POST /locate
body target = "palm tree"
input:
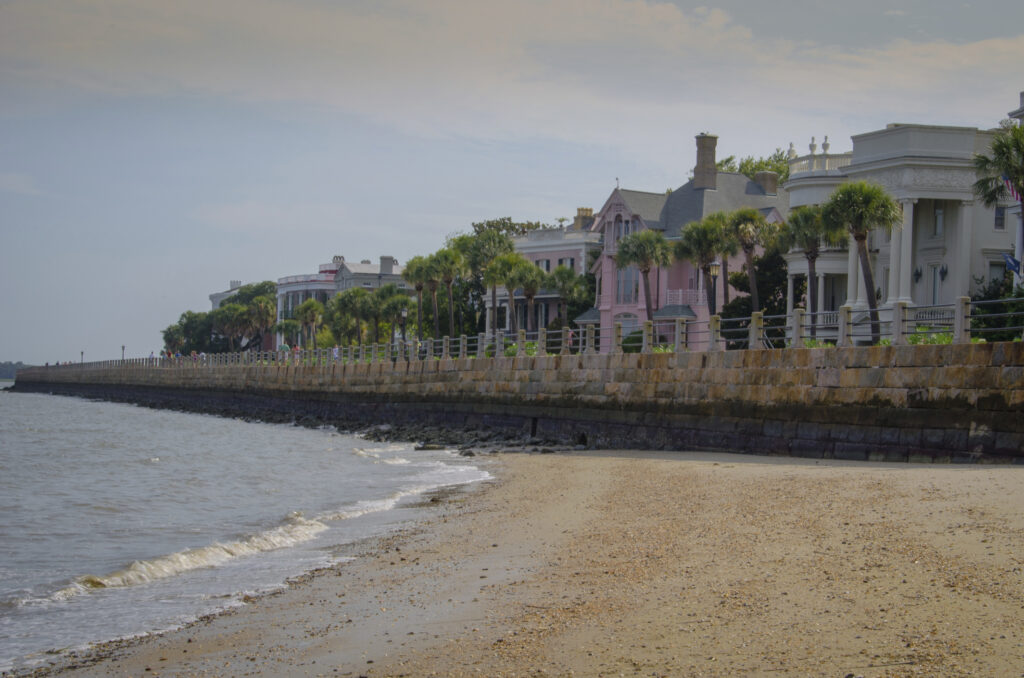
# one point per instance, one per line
(288, 328)
(501, 271)
(310, 314)
(701, 243)
(433, 281)
(807, 230)
(728, 246)
(415, 273)
(262, 312)
(382, 307)
(450, 266)
(645, 250)
(530, 278)
(748, 226)
(1006, 164)
(858, 207)
(569, 286)
(352, 303)
(486, 247)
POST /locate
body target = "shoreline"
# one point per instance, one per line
(644, 563)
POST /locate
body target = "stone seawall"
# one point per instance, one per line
(897, 403)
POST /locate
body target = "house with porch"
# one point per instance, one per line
(948, 243)
(677, 290)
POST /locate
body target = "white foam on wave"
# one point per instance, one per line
(294, 530)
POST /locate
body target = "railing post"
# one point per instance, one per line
(462, 346)
(648, 341)
(387, 352)
(962, 321)
(755, 330)
(542, 341)
(565, 341)
(715, 333)
(844, 326)
(446, 347)
(362, 353)
(521, 342)
(796, 324)
(590, 339)
(899, 323)
(617, 338)
(680, 334)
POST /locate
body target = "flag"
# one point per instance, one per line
(1011, 188)
(1012, 264)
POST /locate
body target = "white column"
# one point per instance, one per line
(963, 257)
(895, 241)
(852, 272)
(907, 252)
(821, 293)
(789, 295)
(862, 289)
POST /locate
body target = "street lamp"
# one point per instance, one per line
(714, 268)
(405, 314)
(122, 352)
(83, 357)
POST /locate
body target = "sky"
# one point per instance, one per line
(152, 151)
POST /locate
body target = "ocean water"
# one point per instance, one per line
(117, 520)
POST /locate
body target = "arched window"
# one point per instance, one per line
(629, 322)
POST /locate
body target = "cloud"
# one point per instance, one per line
(23, 184)
(625, 72)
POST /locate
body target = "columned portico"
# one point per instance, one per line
(906, 250)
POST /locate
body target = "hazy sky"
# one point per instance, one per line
(152, 151)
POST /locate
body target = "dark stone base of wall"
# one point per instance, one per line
(849, 433)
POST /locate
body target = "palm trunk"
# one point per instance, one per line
(725, 279)
(530, 324)
(709, 292)
(514, 319)
(812, 293)
(419, 313)
(437, 321)
(647, 294)
(755, 304)
(494, 309)
(451, 311)
(869, 283)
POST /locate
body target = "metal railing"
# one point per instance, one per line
(962, 322)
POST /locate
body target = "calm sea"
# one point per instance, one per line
(119, 520)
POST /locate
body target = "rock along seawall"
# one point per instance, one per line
(956, 403)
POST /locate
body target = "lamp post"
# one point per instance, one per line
(122, 352)
(714, 268)
(83, 357)
(405, 314)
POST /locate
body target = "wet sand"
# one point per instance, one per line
(651, 564)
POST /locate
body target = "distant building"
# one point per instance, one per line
(332, 278)
(570, 246)
(677, 291)
(948, 241)
(217, 298)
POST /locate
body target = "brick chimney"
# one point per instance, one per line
(705, 174)
(387, 265)
(584, 218)
(769, 181)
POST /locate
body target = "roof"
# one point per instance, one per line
(674, 311)
(589, 317)
(733, 191)
(648, 206)
(368, 269)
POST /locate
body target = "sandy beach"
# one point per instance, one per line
(652, 564)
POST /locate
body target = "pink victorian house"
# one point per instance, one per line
(677, 291)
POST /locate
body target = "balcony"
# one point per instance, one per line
(819, 163)
(686, 298)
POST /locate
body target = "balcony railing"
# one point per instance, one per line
(819, 163)
(686, 298)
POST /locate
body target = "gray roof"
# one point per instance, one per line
(590, 316)
(674, 311)
(686, 203)
(648, 206)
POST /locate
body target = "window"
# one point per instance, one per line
(939, 225)
(627, 288)
(544, 265)
(1000, 219)
(996, 270)
(568, 262)
(936, 283)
